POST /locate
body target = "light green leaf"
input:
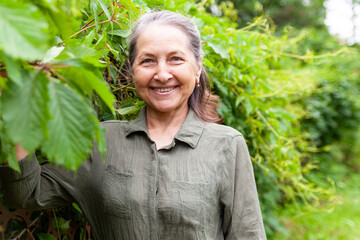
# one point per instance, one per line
(121, 33)
(133, 10)
(104, 8)
(52, 53)
(101, 142)
(25, 111)
(76, 49)
(249, 108)
(219, 47)
(3, 82)
(77, 207)
(208, 63)
(72, 128)
(13, 68)
(23, 31)
(127, 110)
(239, 99)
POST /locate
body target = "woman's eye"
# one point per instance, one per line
(176, 59)
(146, 61)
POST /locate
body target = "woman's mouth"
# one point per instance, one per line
(163, 90)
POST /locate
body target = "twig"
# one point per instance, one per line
(119, 5)
(27, 229)
(82, 30)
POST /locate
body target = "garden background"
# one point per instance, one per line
(289, 86)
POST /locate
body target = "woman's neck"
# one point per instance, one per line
(163, 127)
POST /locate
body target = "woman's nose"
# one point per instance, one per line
(163, 72)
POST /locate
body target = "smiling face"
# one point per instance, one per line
(164, 68)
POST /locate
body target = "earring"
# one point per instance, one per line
(197, 82)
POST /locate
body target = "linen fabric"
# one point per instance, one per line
(201, 186)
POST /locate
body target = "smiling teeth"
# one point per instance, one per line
(164, 89)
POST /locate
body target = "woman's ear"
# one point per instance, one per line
(199, 67)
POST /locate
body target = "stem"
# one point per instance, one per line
(113, 20)
(58, 75)
(30, 225)
(56, 222)
(82, 30)
(119, 5)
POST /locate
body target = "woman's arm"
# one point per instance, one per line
(242, 214)
(41, 186)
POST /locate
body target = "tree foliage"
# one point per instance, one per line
(67, 70)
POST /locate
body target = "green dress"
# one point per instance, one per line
(201, 186)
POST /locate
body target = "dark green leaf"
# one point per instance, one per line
(45, 236)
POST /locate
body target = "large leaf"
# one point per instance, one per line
(25, 111)
(23, 31)
(7, 151)
(72, 129)
(89, 80)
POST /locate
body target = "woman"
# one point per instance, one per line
(172, 173)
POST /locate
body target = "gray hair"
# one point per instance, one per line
(202, 101)
(166, 18)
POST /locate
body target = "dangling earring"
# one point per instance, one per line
(197, 82)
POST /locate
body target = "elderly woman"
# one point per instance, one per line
(173, 173)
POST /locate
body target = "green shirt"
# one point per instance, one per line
(201, 186)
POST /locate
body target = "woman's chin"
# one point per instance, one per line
(167, 108)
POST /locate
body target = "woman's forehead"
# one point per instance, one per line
(160, 35)
(161, 30)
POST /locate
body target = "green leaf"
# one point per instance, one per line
(52, 53)
(121, 33)
(104, 8)
(25, 111)
(239, 99)
(208, 63)
(7, 151)
(127, 110)
(101, 142)
(249, 108)
(13, 68)
(72, 129)
(2, 82)
(90, 80)
(24, 31)
(219, 47)
(60, 223)
(76, 49)
(133, 10)
(76, 207)
(45, 236)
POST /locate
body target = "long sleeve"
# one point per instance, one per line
(40, 186)
(242, 214)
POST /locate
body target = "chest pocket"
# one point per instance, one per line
(116, 192)
(189, 205)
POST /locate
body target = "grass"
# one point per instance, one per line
(341, 222)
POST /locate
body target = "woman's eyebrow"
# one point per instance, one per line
(146, 54)
(176, 52)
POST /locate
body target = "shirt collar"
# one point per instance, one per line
(189, 133)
